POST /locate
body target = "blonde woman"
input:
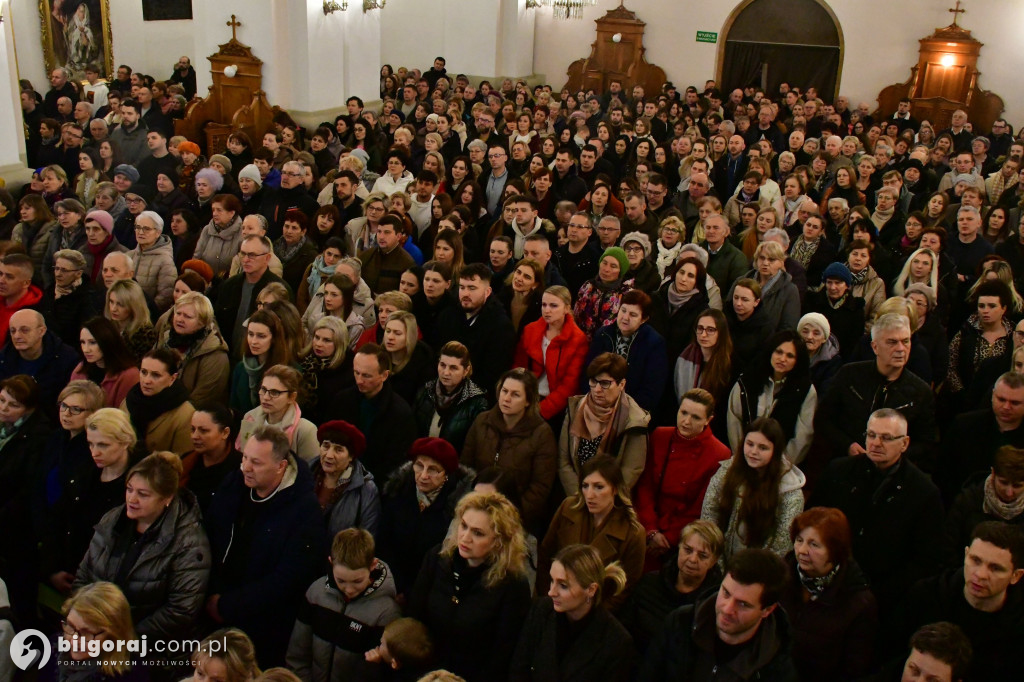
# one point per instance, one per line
(126, 308)
(226, 655)
(412, 360)
(205, 366)
(326, 367)
(98, 613)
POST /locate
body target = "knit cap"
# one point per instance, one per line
(188, 146)
(618, 254)
(252, 173)
(105, 220)
(222, 160)
(838, 271)
(128, 171)
(816, 320)
(639, 238)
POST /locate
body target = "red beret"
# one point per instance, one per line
(436, 449)
(346, 435)
(200, 267)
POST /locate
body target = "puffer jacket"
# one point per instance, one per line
(527, 451)
(216, 247)
(166, 586)
(332, 633)
(155, 271)
(78, 243)
(37, 245)
(460, 417)
(357, 506)
(205, 368)
(872, 290)
(630, 448)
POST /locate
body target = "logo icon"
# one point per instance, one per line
(25, 655)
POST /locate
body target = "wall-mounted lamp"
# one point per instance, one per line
(331, 6)
(946, 60)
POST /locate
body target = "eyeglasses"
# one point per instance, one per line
(634, 249)
(605, 384)
(886, 438)
(134, 200)
(144, 228)
(272, 392)
(71, 631)
(701, 329)
(580, 226)
(70, 409)
(609, 229)
(292, 175)
(249, 255)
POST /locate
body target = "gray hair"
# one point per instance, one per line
(72, 256)
(889, 322)
(611, 219)
(968, 209)
(121, 254)
(841, 201)
(279, 442)
(301, 166)
(99, 120)
(477, 144)
(781, 234)
(889, 413)
(354, 263)
(158, 222)
(261, 219)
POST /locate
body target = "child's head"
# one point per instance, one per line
(406, 644)
(352, 561)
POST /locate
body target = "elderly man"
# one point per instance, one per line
(958, 131)
(237, 298)
(291, 195)
(98, 132)
(16, 289)
(38, 352)
(60, 87)
(726, 263)
(117, 266)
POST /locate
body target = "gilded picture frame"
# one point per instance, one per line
(76, 33)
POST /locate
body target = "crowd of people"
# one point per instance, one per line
(516, 384)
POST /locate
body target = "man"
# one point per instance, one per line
(981, 598)
(738, 634)
(65, 110)
(859, 388)
(495, 177)
(591, 165)
(291, 195)
(267, 543)
(422, 199)
(958, 131)
(967, 248)
(123, 81)
(94, 90)
(98, 132)
(657, 198)
(82, 115)
(963, 169)
(567, 186)
(159, 160)
(71, 138)
(609, 230)
(130, 136)
(16, 289)
(730, 170)
(382, 415)
(38, 352)
(903, 117)
(60, 87)
(409, 101)
(349, 205)
(726, 263)
(435, 72)
(578, 259)
(184, 75)
(501, 262)
(537, 247)
(939, 652)
(483, 130)
(384, 263)
(686, 202)
(152, 115)
(894, 510)
(1000, 138)
(237, 298)
(480, 323)
(32, 116)
(766, 130)
(637, 217)
(527, 222)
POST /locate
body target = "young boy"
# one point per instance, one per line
(405, 648)
(264, 160)
(344, 613)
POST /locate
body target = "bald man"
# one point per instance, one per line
(38, 352)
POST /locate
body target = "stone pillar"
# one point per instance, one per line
(12, 128)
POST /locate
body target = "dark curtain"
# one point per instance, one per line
(796, 64)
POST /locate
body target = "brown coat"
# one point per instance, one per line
(528, 452)
(630, 450)
(171, 431)
(205, 371)
(621, 539)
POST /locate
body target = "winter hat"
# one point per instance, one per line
(188, 146)
(433, 118)
(640, 238)
(105, 220)
(342, 433)
(438, 450)
(816, 320)
(963, 177)
(200, 267)
(618, 254)
(914, 163)
(222, 160)
(924, 290)
(399, 114)
(143, 191)
(171, 174)
(362, 155)
(838, 271)
(701, 253)
(128, 171)
(154, 216)
(215, 179)
(252, 173)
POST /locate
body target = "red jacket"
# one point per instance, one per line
(566, 354)
(670, 492)
(29, 300)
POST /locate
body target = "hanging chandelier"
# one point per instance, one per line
(568, 9)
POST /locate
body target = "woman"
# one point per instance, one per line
(126, 308)
(935, 209)
(327, 225)
(553, 349)
(111, 440)
(995, 227)
(294, 249)
(266, 345)
(326, 367)
(158, 406)
(205, 365)
(185, 229)
(929, 332)
(755, 496)
(670, 241)
(55, 185)
(155, 549)
(35, 230)
(461, 170)
(512, 436)
(101, 242)
(335, 298)
(987, 333)
(922, 268)
(448, 249)
(279, 407)
(319, 271)
(220, 239)
(707, 361)
(678, 304)
(778, 386)
(71, 235)
(412, 360)
(601, 515)
(569, 634)
(779, 299)
(434, 297)
(598, 300)
(226, 655)
(208, 185)
(867, 285)
(418, 504)
(106, 360)
(522, 299)
(212, 456)
(541, 181)
(89, 162)
(812, 250)
(845, 187)
(168, 197)
(473, 594)
(447, 406)
(822, 346)
(98, 613)
(67, 300)
(346, 491)
(605, 421)
(110, 156)
(153, 258)
(793, 195)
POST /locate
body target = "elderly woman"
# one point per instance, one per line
(326, 367)
(137, 199)
(822, 349)
(220, 238)
(153, 258)
(294, 248)
(412, 361)
(828, 600)
(126, 308)
(158, 406)
(99, 226)
(473, 594)
(71, 235)
(154, 548)
(205, 366)
(106, 360)
(361, 233)
(278, 407)
(605, 421)
(208, 183)
(67, 301)
(598, 301)
(779, 299)
(346, 491)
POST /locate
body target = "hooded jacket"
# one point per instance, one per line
(155, 270)
(29, 300)
(824, 365)
(629, 449)
(38, 246)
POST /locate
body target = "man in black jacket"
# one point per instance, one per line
(567, 186)
(739, 634)
(292, 194)
(236, 298)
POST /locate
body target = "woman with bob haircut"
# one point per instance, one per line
(755, 495)
(601, 648)
(326, 367)
(126, 307)
(604, 421)
(473, 593)
(600, 514)
(154, 548)
(233, 659)
(220, 239)
(205, 365)
(279, 407)
(412, 360)
(106, 360)
(831, 609)
(99, 612)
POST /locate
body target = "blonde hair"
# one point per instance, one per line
(276, 289)
(234, 649)
(114, 424)
(508, 556)
(129, 294)
(104, 607)
(91, 393)
(341, 340)
(901, 307)
(770, 249)
(408, 320)
(903, 279)
(394, 298)
(583, 563)
(562, 294)
(707, 531)
(202, 305)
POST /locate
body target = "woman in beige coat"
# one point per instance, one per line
(192, 331)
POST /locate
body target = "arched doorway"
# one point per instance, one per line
(768, 42)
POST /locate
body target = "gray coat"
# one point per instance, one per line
(358, 506)
(40, 244)
(780, 302)
(155, 271)
(217, 247)
(166, 586)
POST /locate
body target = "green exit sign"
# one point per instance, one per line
(707, 37)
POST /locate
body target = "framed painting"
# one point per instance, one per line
(163, 10)
(76, 33)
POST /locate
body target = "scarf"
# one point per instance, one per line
(803, 250)
(426, 499)
(97, 257)
(592, 421)
(622, 343)
(999, 184)
(254, 369)
(880, 217)
(285, 251)
(860, 277)
(677, 300)
(791, 206)
(817, 586)
(29, 232)
(311, 367)
(318, 272)
(59, 290)
(666, 257)
(143, 409)
(186, 344)
(836, 305)
(1007, 511)
(69, 237)
(444, 401)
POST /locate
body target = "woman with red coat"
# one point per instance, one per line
(553, 348)
(680, 464)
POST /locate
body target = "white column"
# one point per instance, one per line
(12, 130)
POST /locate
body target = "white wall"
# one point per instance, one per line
(880, 38)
